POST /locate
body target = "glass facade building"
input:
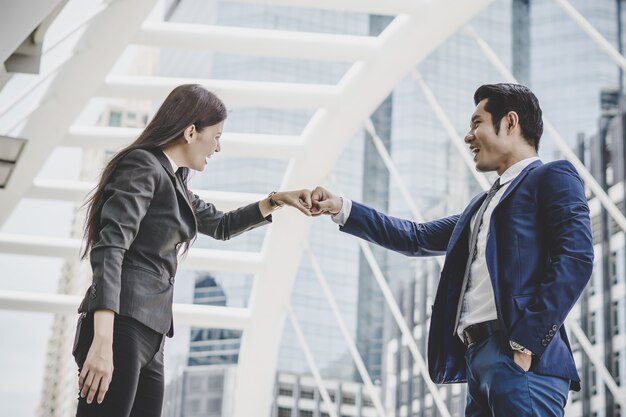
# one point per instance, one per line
(212, 346)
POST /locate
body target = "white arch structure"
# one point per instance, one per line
(339, 111)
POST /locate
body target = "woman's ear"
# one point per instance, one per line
(188, 134)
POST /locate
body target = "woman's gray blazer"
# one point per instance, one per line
(147, 214)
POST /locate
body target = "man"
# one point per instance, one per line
(517, 259)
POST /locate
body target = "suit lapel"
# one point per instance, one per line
(474, 205)
(466, 217)
(178, 184)
(518, 180)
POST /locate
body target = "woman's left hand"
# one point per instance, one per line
(300, 199)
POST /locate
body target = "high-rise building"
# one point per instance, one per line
(205, 387)
(581, 94)
(212, 346)
(602, 307)
(201, 391)
(299, 396)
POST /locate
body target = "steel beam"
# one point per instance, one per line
(210, 260)
(241, 145)
(362, 89)
(386, 7)
(76, 191)
(67, 94)
(233, 92)
(258, 42)
(191, 314)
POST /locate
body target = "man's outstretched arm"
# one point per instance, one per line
(400, 235)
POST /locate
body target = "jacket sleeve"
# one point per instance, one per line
(564, 214)
(126, 200)
(403, 236)
(223, 226)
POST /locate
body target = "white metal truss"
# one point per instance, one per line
(407, 334)
(362, 89)
(455, 138)
(200, 259)
(310, 360)
(596, 36)
(191, 314)
(343, 328)
(75, 83)
(387, 7)
(274, 43)
(65, 190)
(244, 145)
(236, 93)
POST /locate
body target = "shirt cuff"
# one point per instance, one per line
(342, 217)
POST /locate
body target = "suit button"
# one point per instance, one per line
(554, 327)
(551, 333)
(171, 280)
(544, 343)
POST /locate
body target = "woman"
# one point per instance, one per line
(140, 217)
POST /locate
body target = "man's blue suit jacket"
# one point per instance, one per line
(539, 256)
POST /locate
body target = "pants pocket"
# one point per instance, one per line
(509, 357)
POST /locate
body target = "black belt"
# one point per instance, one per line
(478, 332)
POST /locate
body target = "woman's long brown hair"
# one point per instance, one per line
(186, 105)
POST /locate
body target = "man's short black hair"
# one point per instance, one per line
(506, 97)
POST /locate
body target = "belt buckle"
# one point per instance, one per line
(466, 340)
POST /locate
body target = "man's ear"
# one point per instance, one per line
(188, 133)
(512, 121)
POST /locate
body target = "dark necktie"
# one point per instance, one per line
(478, 221)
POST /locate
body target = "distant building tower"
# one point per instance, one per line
(601, 309)
(212, 346)
(298, 396)
(206, 387)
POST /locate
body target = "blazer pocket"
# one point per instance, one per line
(141, 289)
(142, 269)
(523, 301)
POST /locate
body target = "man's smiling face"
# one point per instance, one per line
(491, 150)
